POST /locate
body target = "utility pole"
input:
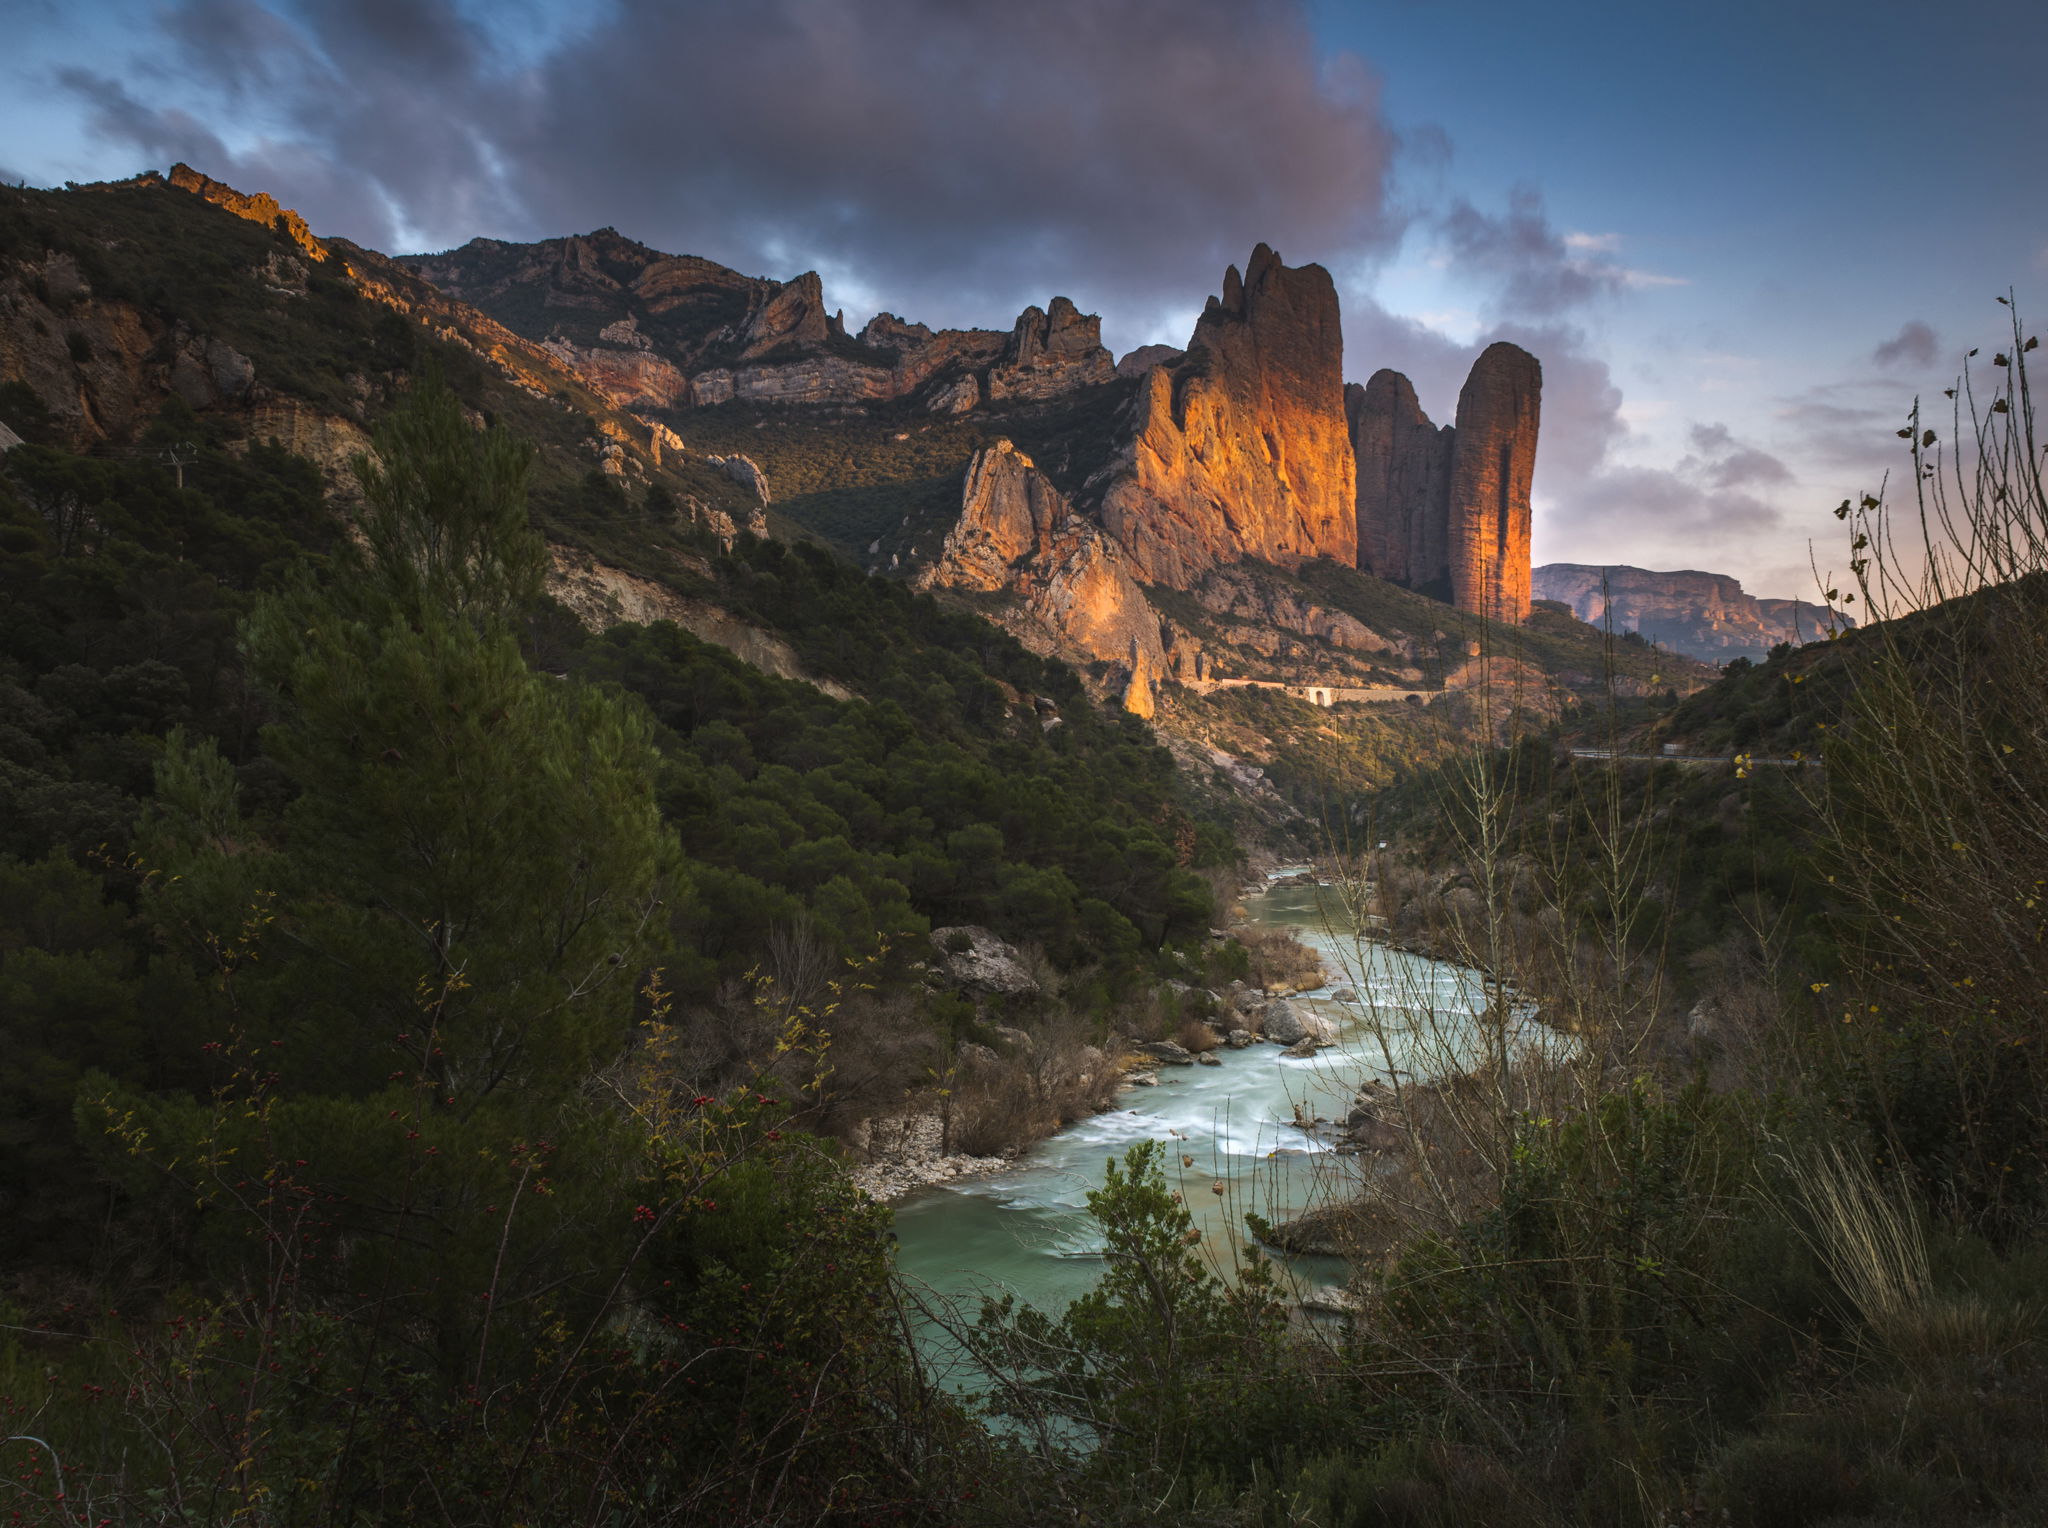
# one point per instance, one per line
(178, 457)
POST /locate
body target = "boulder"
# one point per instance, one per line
(1288, 1023)
(982, 963)
(1331, 1231)
(1164, 1050)
(1238, 1039)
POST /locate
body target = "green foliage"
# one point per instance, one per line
(878, 826)
(1162, 1365)
(444, 514)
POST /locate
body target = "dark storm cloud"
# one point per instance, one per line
(954, 157)
(1914, 345)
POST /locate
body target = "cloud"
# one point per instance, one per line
(962, 156)
(1536, 272)
(1914, 345)
(1725, 462)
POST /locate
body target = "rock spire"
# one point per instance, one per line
(1446, 511)
(1240, 449)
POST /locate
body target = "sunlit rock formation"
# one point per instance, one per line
(259, 208)
(1240, 449)
(1446, 511)
(1017, 533)
(1493, 460)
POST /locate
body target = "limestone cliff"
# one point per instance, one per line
(1446, 511)
(1404, 482)
(656, 331)
(1241, 449)
(1703, 615)
(1018, 534)
(1051, 351)
(1493, 460)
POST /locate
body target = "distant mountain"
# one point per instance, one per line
(655, 331)
(1703, 615)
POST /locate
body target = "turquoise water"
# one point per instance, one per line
(1234, 1133)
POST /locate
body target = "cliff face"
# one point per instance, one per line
(1241, 449)
(657, 331)
(1017, 533)
(1704, 615)
(1447, 510)
(1051, 352)
(1492, 462)
(1404, 482)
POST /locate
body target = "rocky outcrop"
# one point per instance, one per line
(1446, 511)
(329, 441)
(793, 318)
(1493, 461)
(1241, 450)
(972, 957)
(1018, 533)
(259, 208)
(744, 471)
(1703, 615)
(207, 371)
(1051, 352)
(1139, 691)
(652, 330)
(628, 377)
(1404, 482)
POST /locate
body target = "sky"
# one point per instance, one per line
(1742, 239)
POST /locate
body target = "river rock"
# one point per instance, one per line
(1164, 1050)
(1329, 1300)
(1306, 1046)
(1238, 1039)
(1287, 1023)
(985, 964)
(1331, 1231)
(1208, 1058)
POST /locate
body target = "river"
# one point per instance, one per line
(1231, 1132)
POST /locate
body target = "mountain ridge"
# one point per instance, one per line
(1688, 610)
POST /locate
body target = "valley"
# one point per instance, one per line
(624, 901)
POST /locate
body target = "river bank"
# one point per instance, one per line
(1253, 1127)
